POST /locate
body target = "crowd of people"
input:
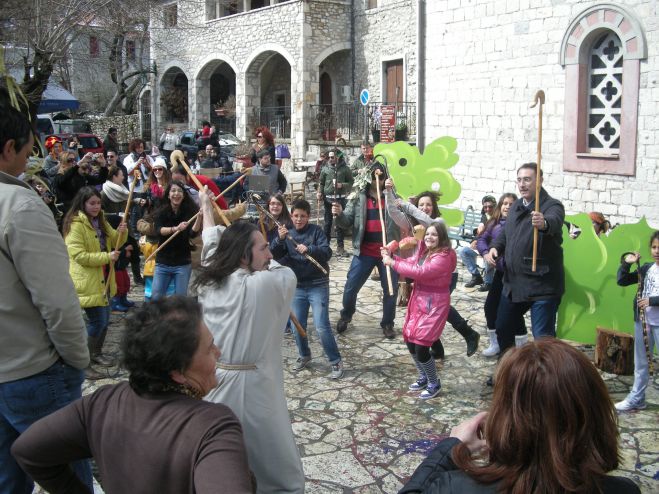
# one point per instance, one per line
(204, 409)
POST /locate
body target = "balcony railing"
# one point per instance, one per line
(346, 120)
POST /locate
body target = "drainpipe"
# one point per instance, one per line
(420, 74)
(353, 57)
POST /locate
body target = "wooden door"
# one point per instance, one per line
(325, 89)
(394, 82)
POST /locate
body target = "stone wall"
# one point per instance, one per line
(127, 127)
(383, 34)
(485, 61)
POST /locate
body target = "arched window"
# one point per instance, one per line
(601, 52)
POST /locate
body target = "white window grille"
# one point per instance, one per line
(605, 95)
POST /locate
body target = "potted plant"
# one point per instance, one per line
(401, 131)
(226, 108)
(242, 153)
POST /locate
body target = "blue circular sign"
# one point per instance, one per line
(364, 97)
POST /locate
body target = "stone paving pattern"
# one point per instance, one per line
(365, 433)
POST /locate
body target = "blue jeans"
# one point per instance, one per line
(23, 402)
(510, 317)
(163, 276)
(318, 298)
(468, 257)
(98, 319)
(641, 374)
(360, 269)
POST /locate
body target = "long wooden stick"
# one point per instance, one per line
(309, 258)
(171, 237)
(236, 182)
(181, 161)
(539, 98)
(136, 178)
(641, 318)
(384, 230)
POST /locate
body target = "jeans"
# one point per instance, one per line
(165, 274)
(329, 218)
(318, 298)
(641, 374)
(23, 402)
(360, 269)
(468, 257)
(98, 319)
(511, 317)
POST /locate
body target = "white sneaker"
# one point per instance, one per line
(493, 350)
(337, 371)
(626, 406)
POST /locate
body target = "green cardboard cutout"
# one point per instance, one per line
(414, 172)
(592, 297)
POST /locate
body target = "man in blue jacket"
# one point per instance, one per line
(524, 289)
(312, 284)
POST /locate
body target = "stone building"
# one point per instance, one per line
(465, 68)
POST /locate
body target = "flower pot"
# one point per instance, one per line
(376, 135)
(401, 135)
(220, 112)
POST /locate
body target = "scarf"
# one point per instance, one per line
(114, 192)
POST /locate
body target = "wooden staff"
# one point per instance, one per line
(171, 237)
(298, 327)
(177, 156)
(136, 177)
(641, 312)
(539, 98)
(384, 231)
(309, 258)
(248, 171)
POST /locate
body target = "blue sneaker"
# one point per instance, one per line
(420, 384)
(431, 391)
(117, 306)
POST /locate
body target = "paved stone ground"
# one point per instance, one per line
(366, 433)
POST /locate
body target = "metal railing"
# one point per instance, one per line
(276, 118)
(346, 120)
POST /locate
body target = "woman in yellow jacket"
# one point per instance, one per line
(90, 241)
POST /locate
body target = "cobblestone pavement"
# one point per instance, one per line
(365, 433)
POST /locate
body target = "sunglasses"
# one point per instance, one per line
(260, 135)
(71, 160)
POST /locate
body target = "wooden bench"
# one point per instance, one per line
(465, 232)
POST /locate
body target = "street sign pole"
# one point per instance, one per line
(364, 97)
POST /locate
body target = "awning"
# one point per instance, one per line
(56, 98)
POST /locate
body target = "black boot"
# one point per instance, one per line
(476, 279)
(95, 344)
(437, 350)
(471, 337)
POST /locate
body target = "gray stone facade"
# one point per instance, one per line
(481, 64)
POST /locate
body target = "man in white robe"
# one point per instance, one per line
(246, 299)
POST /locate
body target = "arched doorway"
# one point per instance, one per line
(174, 96)
(325, 89)
(269, 76)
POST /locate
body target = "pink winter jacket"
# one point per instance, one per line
(429, 304)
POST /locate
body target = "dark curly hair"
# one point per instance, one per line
(235, 245)
(160, 337)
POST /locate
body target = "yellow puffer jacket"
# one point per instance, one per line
(87, 260)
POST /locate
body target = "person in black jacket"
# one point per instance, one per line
(73, 176)
(646, 300)
(312, 284)
(523, 289)
(551, 429)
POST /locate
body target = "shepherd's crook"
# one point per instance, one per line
(539, 97)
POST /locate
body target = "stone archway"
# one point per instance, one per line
(216, 94)
(268, 94)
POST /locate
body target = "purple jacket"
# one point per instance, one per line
(486, 238)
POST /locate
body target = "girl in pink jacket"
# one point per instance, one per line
(430, 268)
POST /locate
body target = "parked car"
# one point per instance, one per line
(223, 142)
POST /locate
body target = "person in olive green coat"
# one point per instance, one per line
(90, 242)
(335, 183)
